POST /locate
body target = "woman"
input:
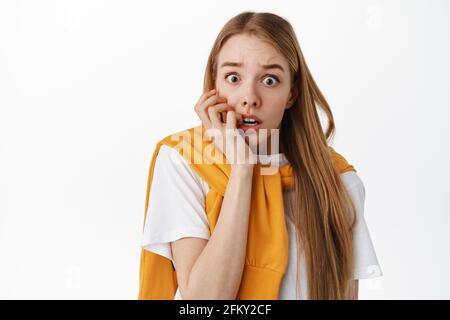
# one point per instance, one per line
(231, 232)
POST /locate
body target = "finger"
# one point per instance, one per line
(212, 100)
(202, 109)
(231, 120)
(214, 114)
(205, 119)
(214, 117)
(221, 107)
(206, 95)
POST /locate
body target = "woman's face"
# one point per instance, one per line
(260, 85)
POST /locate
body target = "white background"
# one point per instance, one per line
(88, 87)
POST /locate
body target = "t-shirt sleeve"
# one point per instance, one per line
(176, 206)
(366, 262)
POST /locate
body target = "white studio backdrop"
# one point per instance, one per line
(88, 87)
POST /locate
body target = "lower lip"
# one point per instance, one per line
(246, 128)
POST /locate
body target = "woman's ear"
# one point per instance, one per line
(293, 95)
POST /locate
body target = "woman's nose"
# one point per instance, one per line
(249, 101)
(254, 104)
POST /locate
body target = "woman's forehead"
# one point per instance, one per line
(241, 51)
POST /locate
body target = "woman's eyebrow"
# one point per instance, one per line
(239, 64)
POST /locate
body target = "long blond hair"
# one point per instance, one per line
(322, 210)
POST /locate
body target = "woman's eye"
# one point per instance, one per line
(230, 75)
(273, 79)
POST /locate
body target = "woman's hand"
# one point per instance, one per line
(211, 108)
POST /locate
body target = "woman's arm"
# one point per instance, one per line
(213, 269)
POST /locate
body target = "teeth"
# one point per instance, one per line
(249, 120)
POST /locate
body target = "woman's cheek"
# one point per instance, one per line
(221, 86)
(227, 96)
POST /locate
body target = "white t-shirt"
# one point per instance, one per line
(177, 210)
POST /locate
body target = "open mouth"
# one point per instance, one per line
(249, 122)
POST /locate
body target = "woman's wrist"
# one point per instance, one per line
(243, 169)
